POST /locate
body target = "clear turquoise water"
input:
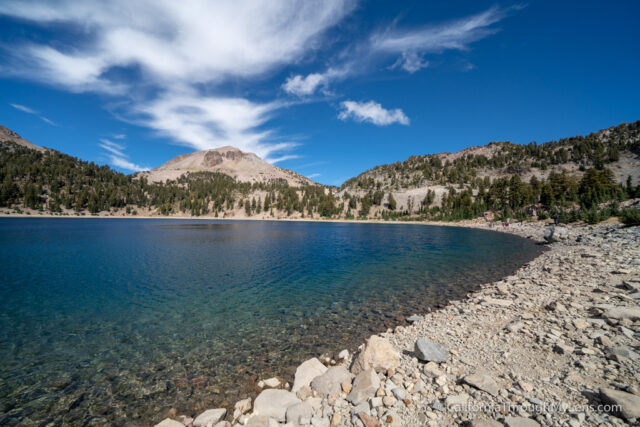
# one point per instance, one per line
(107, 321)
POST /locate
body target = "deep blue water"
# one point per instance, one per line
(109, 320)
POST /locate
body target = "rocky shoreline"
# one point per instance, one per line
(556, 343)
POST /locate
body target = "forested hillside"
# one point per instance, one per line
(571, 177)
(54, 182)
(578, 178)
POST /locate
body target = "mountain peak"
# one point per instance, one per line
(243, 166)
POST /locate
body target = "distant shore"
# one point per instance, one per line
(471, 223)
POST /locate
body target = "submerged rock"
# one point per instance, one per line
(429, 351)
(378, 354)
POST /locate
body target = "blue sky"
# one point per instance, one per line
(327, 89)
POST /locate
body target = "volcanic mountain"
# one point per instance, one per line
(245, 167)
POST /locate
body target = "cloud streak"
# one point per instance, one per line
(409, 47)
(33, 112)
(117, 157)
(372, 112)
(413, 44)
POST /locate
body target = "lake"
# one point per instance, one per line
(114, 321)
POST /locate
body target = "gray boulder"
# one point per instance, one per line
(306, 372)
(628, 404)
(297, 411)
(274, 403)
(556, 234)
(429, 351)
(365, 386)
(619, 313)
(330, 383)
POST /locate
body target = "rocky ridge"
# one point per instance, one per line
(554, 344)
(7, 134)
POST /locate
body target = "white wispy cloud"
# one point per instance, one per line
(117, 157)
(409, 46)
(126, 164)
(182, 53)
(313, 175)
(372, 112)
(31, 111)
(282, 158)
(413, 44)
(410, 62)
(307, 85)
(24, 109)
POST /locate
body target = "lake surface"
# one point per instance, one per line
(114, 321)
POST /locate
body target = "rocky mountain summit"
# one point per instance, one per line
(555, 344)
(244, 167)
(7, 134)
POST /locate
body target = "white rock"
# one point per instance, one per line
(306, 372)
(457, 401)
(210, 416)
(330, 383)
(168, 422)
(261, 421)
(632, 313)
(272, 382)
(376, 401)
(365, 386)
(299, 410)
(243, 405)
(378, 354)
(274, 403)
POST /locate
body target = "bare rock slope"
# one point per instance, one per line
(7, 134)
(245, 167)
